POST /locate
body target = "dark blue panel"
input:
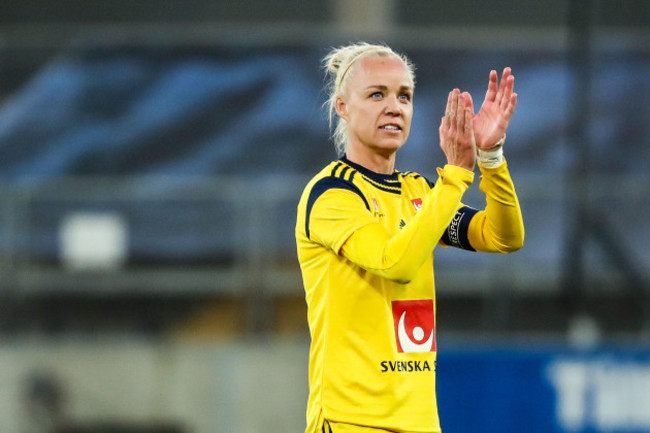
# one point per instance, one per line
(544, 390)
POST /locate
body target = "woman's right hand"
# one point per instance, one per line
(457, 131)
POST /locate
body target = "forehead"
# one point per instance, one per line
(381, 70)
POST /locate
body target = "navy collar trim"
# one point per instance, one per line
(387, 182)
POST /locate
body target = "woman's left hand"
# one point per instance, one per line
(491, 122)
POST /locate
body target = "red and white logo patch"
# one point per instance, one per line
(414, 326)
(417, 203)
(374, 202)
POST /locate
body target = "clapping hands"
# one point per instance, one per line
(462, 132)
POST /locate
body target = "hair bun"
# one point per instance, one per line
(343, 55)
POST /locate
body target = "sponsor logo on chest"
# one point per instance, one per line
(414, 326)
(414, 333)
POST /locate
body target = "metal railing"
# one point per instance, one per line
(194, 235)
(229, 234)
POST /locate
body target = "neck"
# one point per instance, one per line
(379, 163)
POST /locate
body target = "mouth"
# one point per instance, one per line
(391, 127)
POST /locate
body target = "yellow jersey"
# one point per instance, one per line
(365, 245)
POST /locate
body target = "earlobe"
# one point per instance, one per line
(341, 108)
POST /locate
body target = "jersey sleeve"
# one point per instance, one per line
(500, 227)
(335, 214)
(400, 256)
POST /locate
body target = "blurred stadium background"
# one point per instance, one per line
(151, 158)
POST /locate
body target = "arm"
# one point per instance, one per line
(399, 257)
(500, 227)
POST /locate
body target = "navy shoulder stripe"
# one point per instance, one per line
(335, 168)
(323, 185)
(343, 172)
(456, 233)
(415, 175)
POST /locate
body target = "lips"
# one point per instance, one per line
(391, 127)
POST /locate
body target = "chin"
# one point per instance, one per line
(388, 148)
(393, 144)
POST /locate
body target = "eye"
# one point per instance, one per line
(405, 97)
(376, 95)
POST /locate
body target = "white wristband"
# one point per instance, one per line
(490, 158)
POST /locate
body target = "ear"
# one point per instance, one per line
(341, 108)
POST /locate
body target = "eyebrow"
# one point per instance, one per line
(382, 87)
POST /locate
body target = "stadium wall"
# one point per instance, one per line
(185, 387)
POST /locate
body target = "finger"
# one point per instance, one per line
(454, 104)
(468, 101)
(502, 85)
(492, 87)
(504, 77)
(444, 123)
(460, 113)
(511, 106)
(507, 71)
(507, 91)
(450, 111)
(443, 132)
(468, 127)
(453, 110)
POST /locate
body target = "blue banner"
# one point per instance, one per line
(544, 390)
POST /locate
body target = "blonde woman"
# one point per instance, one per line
(366, 233)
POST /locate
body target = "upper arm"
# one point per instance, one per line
(335, 209)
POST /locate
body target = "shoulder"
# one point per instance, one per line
(335, 176)
(412, 177)
(336, 185)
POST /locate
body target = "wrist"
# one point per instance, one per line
(496, 146)
(454, 173)
(490, 158)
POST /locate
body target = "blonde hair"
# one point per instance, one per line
(338, 65)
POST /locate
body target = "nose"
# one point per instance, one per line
(393, 106)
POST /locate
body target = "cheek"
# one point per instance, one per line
(364, 127)
(408, 118)
(362, 120)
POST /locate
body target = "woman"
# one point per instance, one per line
(366, 233)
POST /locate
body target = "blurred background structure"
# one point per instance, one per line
(151, 158)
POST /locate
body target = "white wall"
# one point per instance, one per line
(205, 387)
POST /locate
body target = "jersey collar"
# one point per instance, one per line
(391, 181)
